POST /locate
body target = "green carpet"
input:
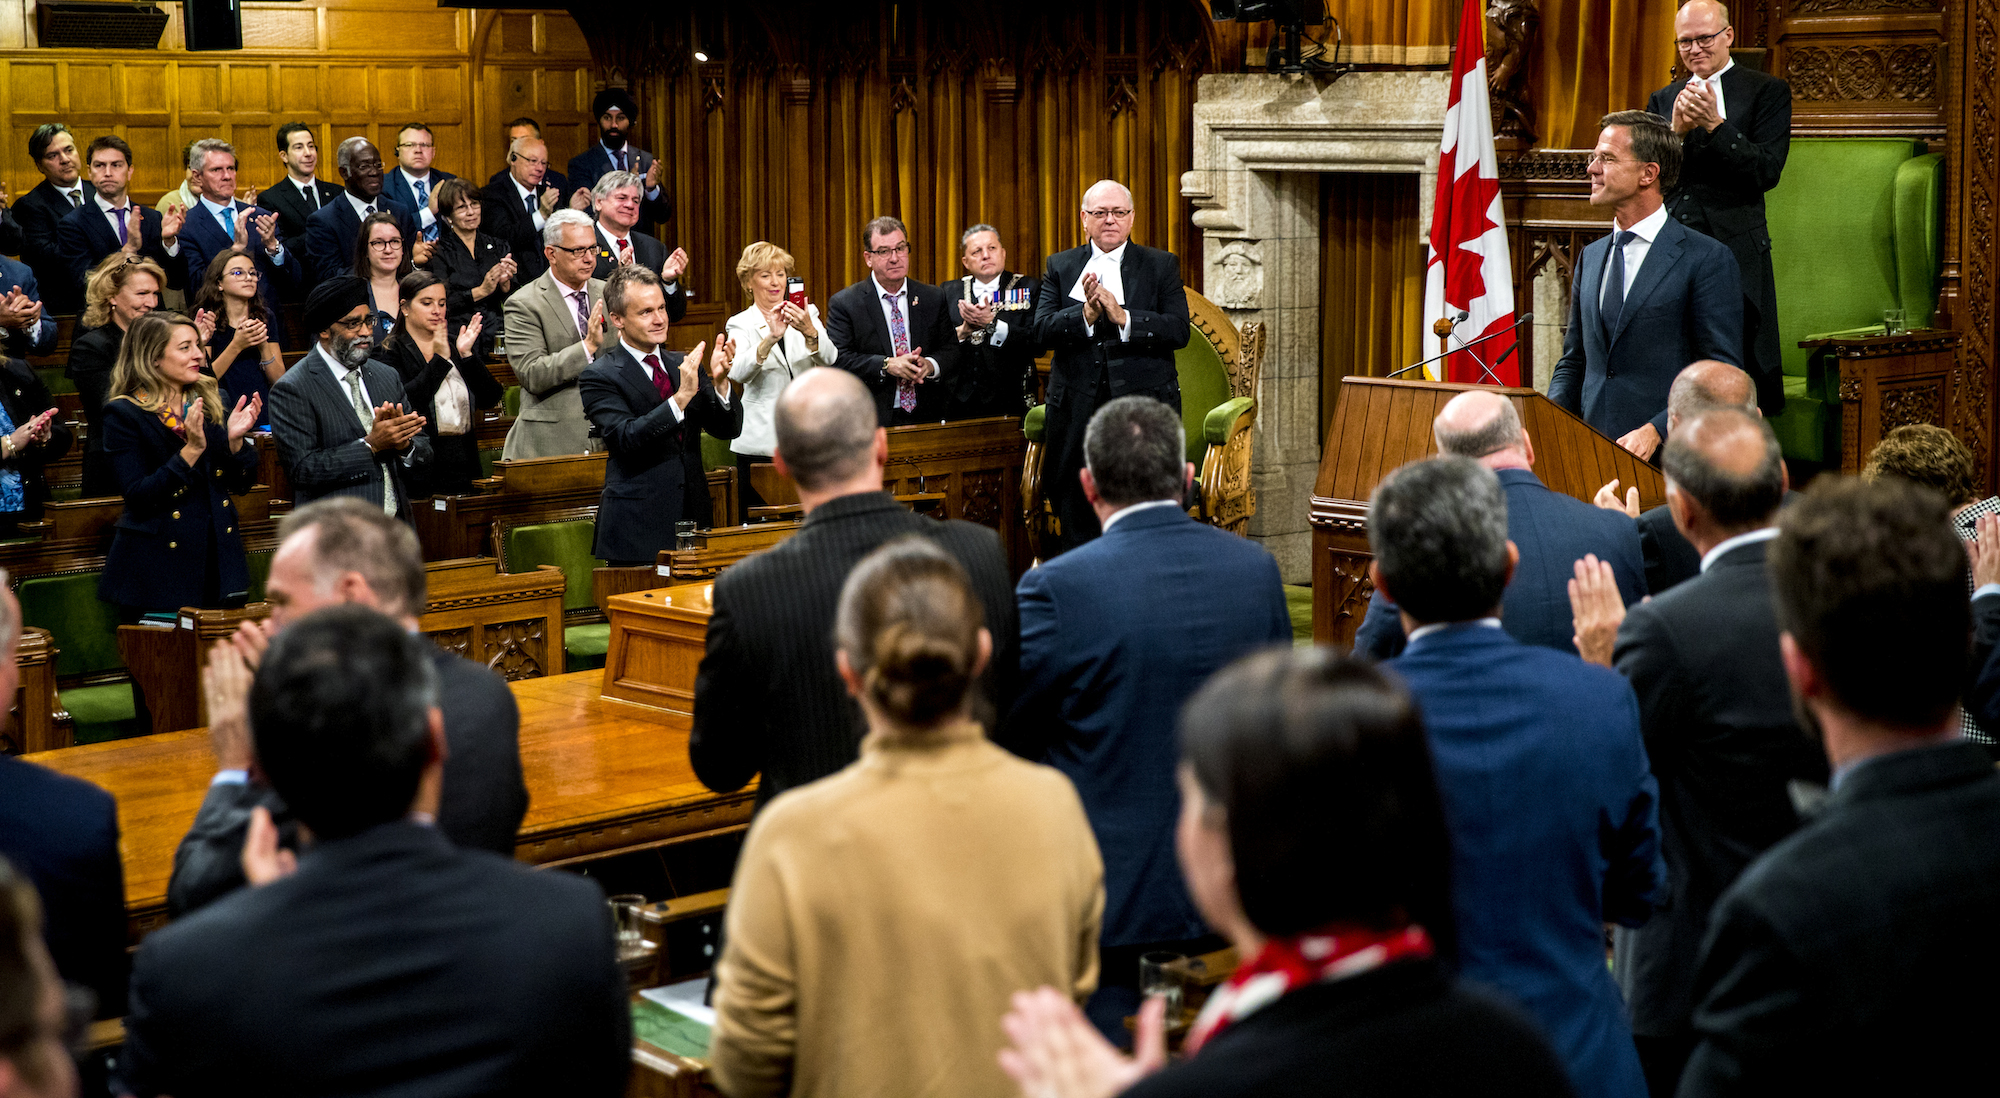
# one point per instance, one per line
(1299, 603)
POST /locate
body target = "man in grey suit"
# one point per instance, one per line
(329, 553)
(555, 325)
(338, 416)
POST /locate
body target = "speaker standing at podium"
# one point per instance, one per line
(1647, 300)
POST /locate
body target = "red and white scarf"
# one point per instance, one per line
(1286, 964)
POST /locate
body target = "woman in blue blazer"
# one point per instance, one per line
(177, 458)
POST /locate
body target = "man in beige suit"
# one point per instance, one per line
(554, 325)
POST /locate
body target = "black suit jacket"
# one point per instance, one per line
(421, 380)
(330, 237)
(25, 397)
(63, 833)
(653, 477)
(767, 698)
(320, 437)
(503, 214)
(481, 806)
(10, 232)
(647, 252)
(1670, 557)
(285, 198)
(1717, 716)
(1403, 1029)
(85, 237)
(855, 323)
(588, 166)
(1832, 965)
(550, 178)
(91, 360)
(1724, 174)
(391, 963)
(39, 212)
(989, 380)
(462, 271)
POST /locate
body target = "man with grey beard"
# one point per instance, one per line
(339, 417)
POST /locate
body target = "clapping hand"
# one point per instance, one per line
(1057, 1053)
(721, 360)
(266, 227)
(241, 240)
(247, 195)
(547, 200)
(579, 200)
(1607, 498)
(676, 264)
(593, 332)
(420, 252)
(1697, 107)
(498, 275)
(204, 323)
(652, 175)
(225, 684)
(33, 431)
(194, 432)
(1092, 308)
(243, 419)
(253, 333)
(263, 859)
(690, 382)
(171, 221)
(18, 310)
(394, 428)
(468, 336)
(1107, 303)
(1596, 608)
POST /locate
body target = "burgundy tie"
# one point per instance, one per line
(624, 250)
(661, 380)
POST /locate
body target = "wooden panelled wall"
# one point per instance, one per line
(809, 119)
(345, 67)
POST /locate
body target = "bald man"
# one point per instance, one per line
(1716, 712)
(1735, 126)
(1553, 531)
(767, 698)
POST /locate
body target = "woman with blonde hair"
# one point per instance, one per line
(913, 891)
(119, 291)
(178, 457)
(776, 341)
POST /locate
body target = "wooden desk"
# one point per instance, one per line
(603, 779)
(39, 722)
(1888, 381)
(657, 641)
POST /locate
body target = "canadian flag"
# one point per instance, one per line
(1468, 269)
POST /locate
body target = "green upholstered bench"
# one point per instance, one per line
(1855, 224)
(564, 541)
(86, 635)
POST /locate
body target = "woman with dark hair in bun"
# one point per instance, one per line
(911, 892)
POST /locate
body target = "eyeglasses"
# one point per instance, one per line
(531, 160)
(574, 253)
(1606, 159)
(1107, 215)
(900, 249)
(238, 272)
(385, 245)
(415, 145)
(357, 324)
(1701, 41)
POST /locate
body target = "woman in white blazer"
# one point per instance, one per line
(776, 341)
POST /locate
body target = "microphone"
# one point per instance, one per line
(1525, 318)
(1465, 345)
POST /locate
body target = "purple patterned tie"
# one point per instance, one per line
(906, 390)
(121, 211)
(582, 298)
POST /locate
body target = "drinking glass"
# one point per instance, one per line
(1164, 974)
(627, 914)
(1895, 322)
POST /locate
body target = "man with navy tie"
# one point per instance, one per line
(614, 152)
(414, 180)
(62, 189)
(214, 225)
(110, 221)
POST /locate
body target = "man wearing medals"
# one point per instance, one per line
(993, 310)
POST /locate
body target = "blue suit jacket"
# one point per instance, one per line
(15, 275)
(202, 239)
(1115, 636)
(1554, 819)
(330, 236)
(1553, 532)
(396, 187)
(63, 833)
(588, 166)
(85, 237)
(1686, 304)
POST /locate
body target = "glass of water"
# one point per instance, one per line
(628, 915)
(1164, 974)
(1895, 322)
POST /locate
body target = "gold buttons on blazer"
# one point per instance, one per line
(177, 514)
(229, 529)
(226, 502)
(173, 545)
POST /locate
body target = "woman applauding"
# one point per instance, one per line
(243, 354)
(445, 380)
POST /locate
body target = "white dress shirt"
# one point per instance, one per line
(611, 241)
(1107, 267)
(134, 221)
(1113, 518)
(902, 296)
(1635, 250)
(308, 190)
(215, 209)
(362, 209)
(340, 372)
(639, 356)
(524, 194)
(990, 291)
(1721, 547)
(1715, 81)
(425, 218)
(72, 194)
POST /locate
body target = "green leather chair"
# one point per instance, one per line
(565, 544)
(86, 633)
(1855, 224)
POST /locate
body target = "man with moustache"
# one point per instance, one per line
(330, 233)
(993, 310)
(301, 193)
(617, 199)
(62, 189)
(614, 152)
(892, 331)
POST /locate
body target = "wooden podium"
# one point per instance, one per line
(1379, 424)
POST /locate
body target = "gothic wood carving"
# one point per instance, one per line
(1512, 30)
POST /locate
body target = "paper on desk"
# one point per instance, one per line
(684, 998)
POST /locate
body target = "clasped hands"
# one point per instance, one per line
(910, 367)
(1697, 107)
(393, 429)
(19, 311)
(1099, 301)
(973, 318)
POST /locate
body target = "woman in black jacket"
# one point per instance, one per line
(30, 439)
(478, 270)
(121, 290)
(445, 379)
(178, 459)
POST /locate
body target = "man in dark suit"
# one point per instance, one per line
(650, 406)
(26, 328)
(338, 416)
(528, 127)
(893, 332)
(993, 312)
(616, 200)
(219, 222)
(330, 233)
(62, 189)
(1115, 635)
(768, 699)
(112, 222)
(517, 206)
(1552, 531)
(1735, 126)
(63, 833)
(614, 152)
(413, 180)
(338, 552)
(1840, 962)
(1639, 311)
(1554, 815)
(383, 952)
(301, 193)
(1114, 312)
(1720, 728)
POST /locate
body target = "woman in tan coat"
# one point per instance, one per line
(881, 917)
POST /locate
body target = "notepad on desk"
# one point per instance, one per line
(674, 1018)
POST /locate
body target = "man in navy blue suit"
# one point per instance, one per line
(219, 221)
(1553, 531)
(111, 221)
(26, 328)
(1646, 300)
(614, 152)
(1553, 811)
(62, 189)
(413, 181)
(63, 833)
(1115, 635)
(330, 233)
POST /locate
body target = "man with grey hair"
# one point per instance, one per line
(993, 310)
(893, 332)
(330, 233)
(768, 698)
(1554, 815)
(1553, 531)
(619, 198)
(555, 326)
(335, 552)
(1115, 636)
(220, 221)
(1114, 313)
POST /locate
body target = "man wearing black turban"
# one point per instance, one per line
(339, 417)
(614, 151)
